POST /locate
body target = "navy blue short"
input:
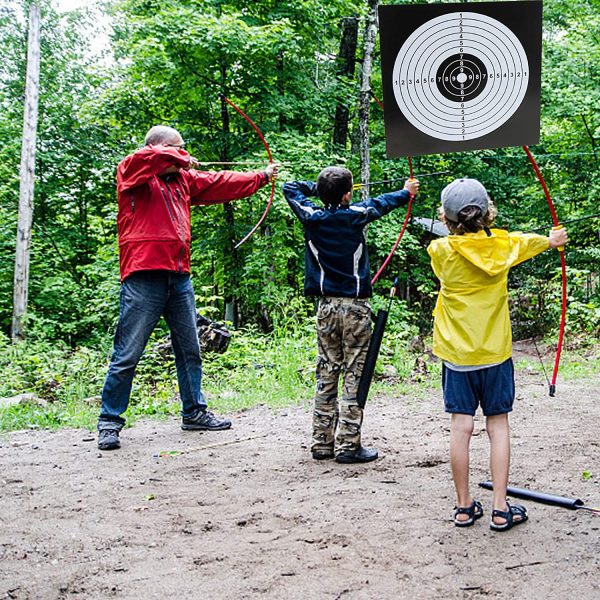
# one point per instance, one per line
(492, 387)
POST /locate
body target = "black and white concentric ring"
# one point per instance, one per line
(460, 76)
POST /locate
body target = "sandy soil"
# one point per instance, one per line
(258, 518)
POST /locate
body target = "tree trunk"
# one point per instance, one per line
(281, 89)
(27, 184)
(347, 62)
(365, 95)
(230, 260)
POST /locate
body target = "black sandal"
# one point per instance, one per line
(516, 510)
(474, 512)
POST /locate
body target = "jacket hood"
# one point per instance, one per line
(490, 253)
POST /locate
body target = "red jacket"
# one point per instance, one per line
(154, 213)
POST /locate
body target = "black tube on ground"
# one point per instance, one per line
(541, 497)
(371, 359)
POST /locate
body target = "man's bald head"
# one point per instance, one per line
(163, 135)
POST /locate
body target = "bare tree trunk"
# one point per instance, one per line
(347, 62)
(25, 221)
(365, 95)
(230, 259)
(281, 88)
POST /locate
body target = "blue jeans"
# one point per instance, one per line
(145, 297)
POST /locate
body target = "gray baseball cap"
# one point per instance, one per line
(462, 193)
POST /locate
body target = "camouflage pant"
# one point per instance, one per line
(343, 335)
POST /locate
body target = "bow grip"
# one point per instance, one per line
(555, 228)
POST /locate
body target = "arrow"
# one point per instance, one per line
(357, 186)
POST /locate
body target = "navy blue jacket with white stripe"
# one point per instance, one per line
(336, 256)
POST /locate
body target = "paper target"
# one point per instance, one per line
(472, 72)
(462, 79)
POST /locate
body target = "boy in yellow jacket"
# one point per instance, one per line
(472, 335)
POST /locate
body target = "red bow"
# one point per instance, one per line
(406, 219)
(563, 266)
(262, 139)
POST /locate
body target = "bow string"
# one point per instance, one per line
(406, 218)
(402, 230)
(268, 150)
(563, 267)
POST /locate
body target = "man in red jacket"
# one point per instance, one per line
(156, 186)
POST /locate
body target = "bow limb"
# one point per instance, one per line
(402, 230)
(406, 218)
(272, 194)
(563, 266)
(395, 247)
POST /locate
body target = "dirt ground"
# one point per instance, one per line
(258, 518)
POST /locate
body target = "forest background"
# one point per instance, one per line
(286, 65)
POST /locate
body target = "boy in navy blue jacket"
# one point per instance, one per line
(337, 271)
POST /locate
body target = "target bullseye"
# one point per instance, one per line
(460, 76)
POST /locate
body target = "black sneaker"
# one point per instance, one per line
(361, 455)
(322, 454)
(205, 421)
(108, 439)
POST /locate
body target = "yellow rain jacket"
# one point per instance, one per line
(471, 318)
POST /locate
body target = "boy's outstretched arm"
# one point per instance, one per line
(529, 245)
(381, 205)
(299, 190)
(296, 193)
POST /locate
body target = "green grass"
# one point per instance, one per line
(574, 364)
(275, 370)
(62, 377)
(579, 366)
(258, 369)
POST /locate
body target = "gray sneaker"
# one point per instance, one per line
(360, 455)
(108, 439)
(205, 421)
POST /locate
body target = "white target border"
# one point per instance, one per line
(433, 42)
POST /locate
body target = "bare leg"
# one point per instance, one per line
(499, 433)
(461, 430)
